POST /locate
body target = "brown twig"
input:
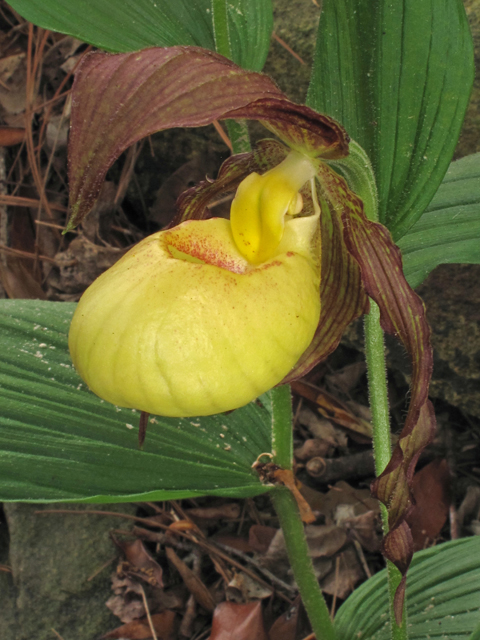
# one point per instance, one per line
(289, 49)
(361, 557)
(58, 95)
(32, 67)
(60, 227)
(327, 470)
(147, 611)
(334, 600)
(219, 129)
(104, 566)
(186, 626)
(25, 254)
(18, 201)
(272, 577)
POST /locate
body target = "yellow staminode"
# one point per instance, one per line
(185, 325)
(261, 203)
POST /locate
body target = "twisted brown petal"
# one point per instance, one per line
(119, 99)
(342, 296)
(403, 315)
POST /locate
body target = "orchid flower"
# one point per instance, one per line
(205, 316)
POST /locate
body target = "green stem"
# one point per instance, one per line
(377, 385)
(290, 520)
(282, 426)
(237, 129)
(239, 136)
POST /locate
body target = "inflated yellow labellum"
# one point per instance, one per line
(185, 325)
(261, 203)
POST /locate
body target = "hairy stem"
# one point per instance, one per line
(290, 520)
(377, 385)
(282, 426)
(239, 136)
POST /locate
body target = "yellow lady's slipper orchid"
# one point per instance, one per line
(194, 321)
(206, 316)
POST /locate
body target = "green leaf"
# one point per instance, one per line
(129, 25)
(60, 442)
(397, 75)
(449, 230)
(443, 584)
(250, 25)
(476, 634)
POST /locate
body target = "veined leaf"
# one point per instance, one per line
(59, 442)
(129, 25)
(443, 584)
(449, 230)
(397, 76)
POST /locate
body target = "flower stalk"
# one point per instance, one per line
(290, 521)
(378, 393)
(377, 385)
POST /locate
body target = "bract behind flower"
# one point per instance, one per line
(184, 325)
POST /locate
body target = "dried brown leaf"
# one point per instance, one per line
(365, 528)
(346, 378)
(165, 625)
(341, 582)
(243, 588)
(260, 536)
(313, 447)
(18, 280)
(228, 510)
(141, 563)
(431, 490)
(196, 587)
(232, 621)
(80, 265)
(127, 603)
(322, 429)
(334, 410)
(235, 542)
(291, 625)
(325, 540)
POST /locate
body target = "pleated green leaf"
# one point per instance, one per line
(443, 586)
(129, 25)
(397, 75)
(449, 230)
(59, 442)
